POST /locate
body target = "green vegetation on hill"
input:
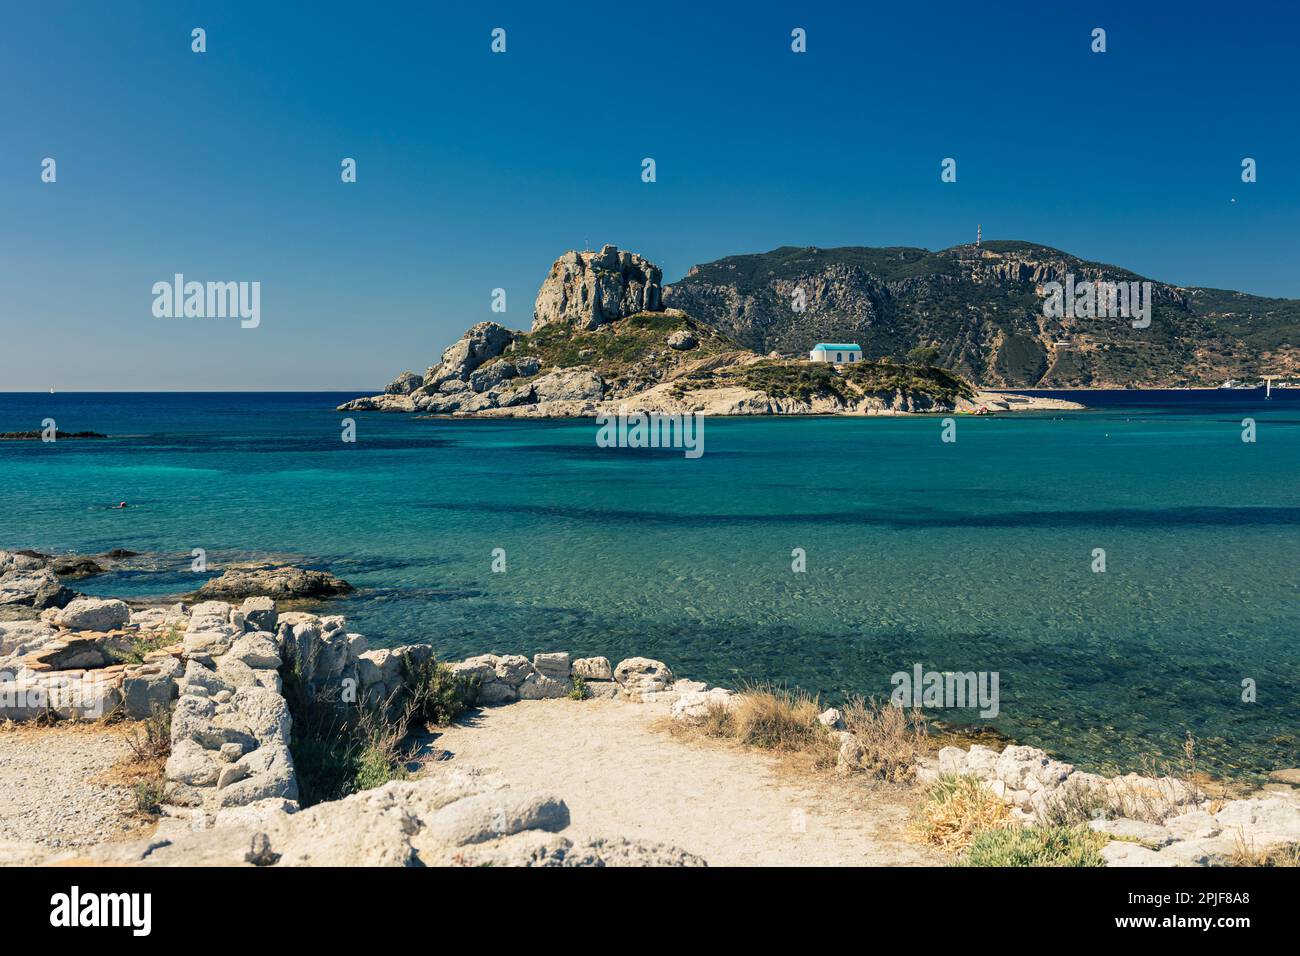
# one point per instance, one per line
(983, 311)
(632, 354)
(621, 345)
(805, 381)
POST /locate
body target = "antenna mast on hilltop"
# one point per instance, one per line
(977, 235)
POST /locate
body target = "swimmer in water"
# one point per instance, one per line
(120, 504)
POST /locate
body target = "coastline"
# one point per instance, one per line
(583, 751)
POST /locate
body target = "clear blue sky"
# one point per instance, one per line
(476, 170)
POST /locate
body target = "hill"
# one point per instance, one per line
(983, 309)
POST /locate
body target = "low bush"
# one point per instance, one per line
(1036, 846)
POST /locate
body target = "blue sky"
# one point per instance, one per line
(476, 170)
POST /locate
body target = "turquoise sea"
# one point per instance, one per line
(971, 556)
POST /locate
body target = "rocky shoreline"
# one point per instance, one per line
(232, 794)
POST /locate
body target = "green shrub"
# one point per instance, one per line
(579, 691)
(149, 797)
(142, 645)
(376, 767)
(434, 694)
(1036, 846)
(342, 747)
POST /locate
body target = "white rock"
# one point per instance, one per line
(538, 687)
(694, 707)
(512, 669)
(555, 666)
(492, 815)
(952, 760)
(982, 762)
(94, 614)
(1149, 834)
(257, 650)
(1196, 824)
(593, 668)
(602, 689)
(641, 675)
(1119, 853)
(830, 717)
(1264, 822)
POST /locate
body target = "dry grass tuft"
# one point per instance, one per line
(773, 718)
(957, 809)
(144, 771)
(888, 740)
(892, 739)
(1245, 854)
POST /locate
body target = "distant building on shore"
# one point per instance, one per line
(834, 353)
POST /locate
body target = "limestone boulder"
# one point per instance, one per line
(149, 687)
(555, 665)
(259, 613)
(593, 668)
(257, 650)
(511, 669)
(694, 707)
(643, 675)
(540, 687)
(26, 580)
(94, 614)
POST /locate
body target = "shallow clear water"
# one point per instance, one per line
(971, 556)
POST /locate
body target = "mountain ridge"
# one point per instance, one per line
(982, 307)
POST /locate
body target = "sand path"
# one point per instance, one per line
(52, 794)
(622, 774)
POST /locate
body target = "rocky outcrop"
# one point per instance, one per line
(447, 818)
(28, 580)
(602, 342)
(278, 583)
(482, 342)
(588, 289)
(404, 384)
(58, 666)
(1153, 821)
(569, 385)
(75, 566)
(230, 727)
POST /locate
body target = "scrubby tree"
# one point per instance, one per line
(922, 355)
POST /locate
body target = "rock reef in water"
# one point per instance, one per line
(277, 582)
